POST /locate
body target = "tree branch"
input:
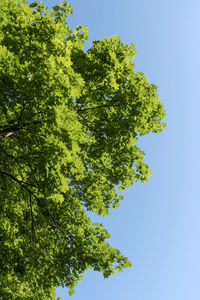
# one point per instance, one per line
(95, 107)
(32, 220)
(21, 182)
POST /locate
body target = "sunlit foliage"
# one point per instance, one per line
(69, 124)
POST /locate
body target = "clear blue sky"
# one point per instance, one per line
(158, 224)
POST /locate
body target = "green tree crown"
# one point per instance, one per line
(69, 124)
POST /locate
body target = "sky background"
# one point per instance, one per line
(157, 225)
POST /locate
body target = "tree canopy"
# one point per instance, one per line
(70, 120)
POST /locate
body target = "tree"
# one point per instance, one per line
(69, 123)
